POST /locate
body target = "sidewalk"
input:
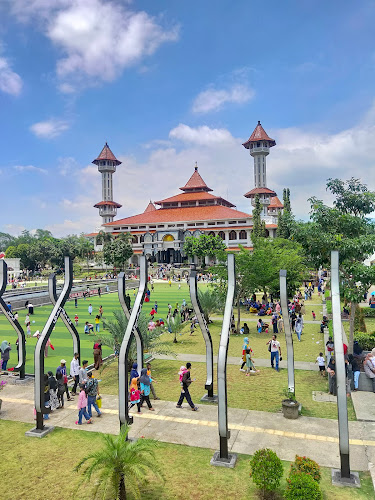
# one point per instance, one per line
(250, 430)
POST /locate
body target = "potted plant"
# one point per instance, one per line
(3, 383)
(290, 405)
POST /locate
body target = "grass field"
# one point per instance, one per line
(307, 350)
(43, 468)
(262, 392)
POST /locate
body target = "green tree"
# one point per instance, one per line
(120, 466)
(205, 245)
(6, 240)
(210, 302)
(87, 251)
(11, 252)
(343, 227)
(286, 220)
(117, 252)
(175, 326)
(103, 237)
(259, 226)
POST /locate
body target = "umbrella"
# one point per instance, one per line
(373, 293)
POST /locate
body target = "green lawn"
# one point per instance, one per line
(36, 468)
(262, 392)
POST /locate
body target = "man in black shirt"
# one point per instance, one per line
(186, 381)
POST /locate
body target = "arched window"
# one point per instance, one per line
(211, 233)
(233, 235)
(222, 235)
(243, 235)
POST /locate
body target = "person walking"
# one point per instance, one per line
(5, 353)
(145, 383)
(321, 363)
(90, 309)
(244, 347)
(97, 353)
(74, 372)
(60, 389)
(135, 394)
(101, 311)
(355, 370)
(99, 291)
(134, 371)
(82, 374)
(274, 324)
(97, 321)
(152, 381)
(53, 399)
(92, 390)
(331, 369)
(82, 405)
(275, 350)
(299, 327)
(76, 302)
(186, 381)
(62, 369)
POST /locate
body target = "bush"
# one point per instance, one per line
(329, 305)
(306, 466)
(302, 487)
(365, 340)
(368, 312)
(359, 320)
(266, 471)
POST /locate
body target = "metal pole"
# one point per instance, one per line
(42, 341)
(12, 320)
(121, 282)
(206, 335)
(64, 316)
(124, 416)
(224, 432)
(342, 409)
(288, 330)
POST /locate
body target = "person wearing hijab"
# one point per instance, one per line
(134, 372)
(5, 353)
(331, 370)
(135, 394)
(97, 352)
(53, 399)
(244, 347)
(145, 382)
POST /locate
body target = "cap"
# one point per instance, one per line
(62, 361)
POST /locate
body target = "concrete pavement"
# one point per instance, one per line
(250, 430)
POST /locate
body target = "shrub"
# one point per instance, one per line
(368, 312)
(266, 471)
(359, 320)
(365, 340)
(306, 466)
(302, 487)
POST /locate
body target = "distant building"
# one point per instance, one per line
(14, 266)
(159, 233)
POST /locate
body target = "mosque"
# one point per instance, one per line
(159, 232)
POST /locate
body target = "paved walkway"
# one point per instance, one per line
(232, 360)
(250, 430)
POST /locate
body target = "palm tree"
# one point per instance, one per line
(210, 302)
(151, 339)
(120, 465)
(175, 326)
(87, 250)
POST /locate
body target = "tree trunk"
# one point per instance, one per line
(122, 490)
(351, 331)
(238, 314)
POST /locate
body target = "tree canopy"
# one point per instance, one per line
(116, 252)
(204, 245)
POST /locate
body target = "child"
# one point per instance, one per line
(76, 319)
(313, 315)
(135, 394)
(181, 373)
(82, 405)
(321, 362)
(97, 320)
(145, 382)
(250, 368)
(152, 381)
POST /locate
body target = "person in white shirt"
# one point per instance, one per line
(321, 363)
(74, 372)
(275, 350)
(90, 309)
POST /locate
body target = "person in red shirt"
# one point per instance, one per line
(76, 319)
(152, 313)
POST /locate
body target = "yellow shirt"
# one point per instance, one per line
(97, 321)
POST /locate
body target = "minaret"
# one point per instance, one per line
(259, 145)
(107, 163)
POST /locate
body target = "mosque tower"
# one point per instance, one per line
(259, 145)
(107, 163)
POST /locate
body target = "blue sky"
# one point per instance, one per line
(170, 83)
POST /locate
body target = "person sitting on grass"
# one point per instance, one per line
(89, 328)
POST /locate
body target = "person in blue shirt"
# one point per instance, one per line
(145, 382)
(9, 305)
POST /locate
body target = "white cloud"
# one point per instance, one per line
(203, 135)
(14, 229)
(30, 168)
(214, 99)
(10, 82)
(49, 128)
(98, 39)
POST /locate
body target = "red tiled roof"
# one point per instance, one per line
(106, 154)
(259, 134)
(195, 182)
(150, 207)
(212, 212)
(108, 202)
(192, 196)
(261, 190)
(275, 203)
(271, 226)
(90, 235)
(237, 249)
(137, 251)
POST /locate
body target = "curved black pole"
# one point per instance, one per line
(124, 416)
(206, 335)
(20, 367)
(121, 282)
(43, 339)
(64, 315)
